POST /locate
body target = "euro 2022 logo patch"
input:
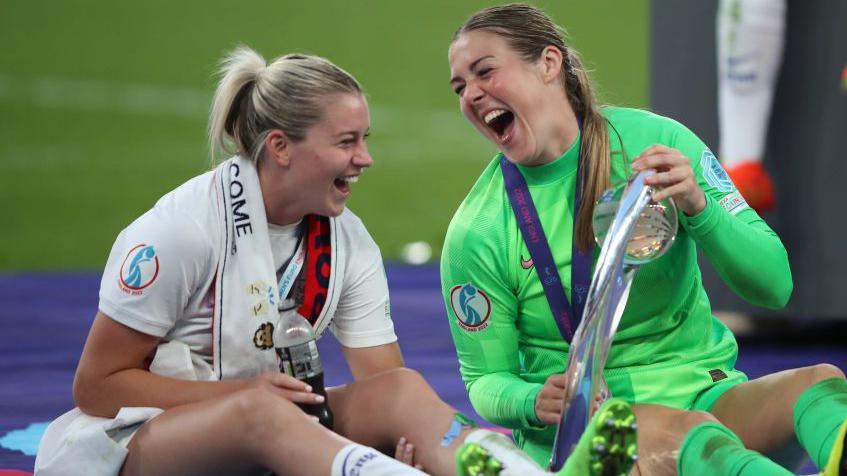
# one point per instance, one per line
(471, 306)
(714, 174)
(139, 269)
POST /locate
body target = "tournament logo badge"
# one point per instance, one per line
(471, 306)
(139, 269)
(714, 174)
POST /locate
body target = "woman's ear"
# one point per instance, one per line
(278, 147)
(551, 63)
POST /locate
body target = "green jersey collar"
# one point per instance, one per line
(562, 167)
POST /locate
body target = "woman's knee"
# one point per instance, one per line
(666, 422)
(261, 413)
(401, 386)
(820, 372)
(661, 433)
(694, 418)
(403, 380)
(688, 421)
(390, 394)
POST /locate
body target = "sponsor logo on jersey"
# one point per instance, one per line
(526, 263)
(139, 269)
(471, 306)
(733, 203)
(714, 174)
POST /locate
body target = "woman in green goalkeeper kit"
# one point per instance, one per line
(526, 91)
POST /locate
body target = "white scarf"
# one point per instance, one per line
(246, 291)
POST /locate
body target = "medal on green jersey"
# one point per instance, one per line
(567, 316)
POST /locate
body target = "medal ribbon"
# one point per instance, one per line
(567, 317)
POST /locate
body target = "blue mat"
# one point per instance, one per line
(45, 319)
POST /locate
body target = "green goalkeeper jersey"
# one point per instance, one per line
(668, 349)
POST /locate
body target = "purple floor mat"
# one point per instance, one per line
(45, 319)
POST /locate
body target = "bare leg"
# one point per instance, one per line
(761, 411)
(661, 431)
(378, 411)
(244, 433)
(399, 403)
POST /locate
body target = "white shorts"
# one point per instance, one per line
(79, 444)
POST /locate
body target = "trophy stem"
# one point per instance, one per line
(604, 307)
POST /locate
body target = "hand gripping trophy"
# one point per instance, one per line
(632, 230)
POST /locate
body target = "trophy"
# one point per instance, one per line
(632, 230)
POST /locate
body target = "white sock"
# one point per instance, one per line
(750, 41)
(355, 460)
(515, 461)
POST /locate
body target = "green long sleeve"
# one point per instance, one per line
(745, 252)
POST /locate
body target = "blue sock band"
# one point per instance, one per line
(459, 423)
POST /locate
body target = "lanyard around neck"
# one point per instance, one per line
(567, 317)
(295, 264)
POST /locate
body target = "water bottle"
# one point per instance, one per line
(298, 357)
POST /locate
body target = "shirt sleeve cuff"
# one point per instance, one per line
(705, 221)
(132, 320)
(530, 418)
(365, 339)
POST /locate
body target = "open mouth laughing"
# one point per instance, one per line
(343, 183)
(500, 122)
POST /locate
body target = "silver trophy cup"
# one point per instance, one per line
(632, 230)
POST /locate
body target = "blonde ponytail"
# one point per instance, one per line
(239, 71)
(253, 98)
(594, 152)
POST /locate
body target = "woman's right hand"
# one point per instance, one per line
(551, 399)
(286, 386)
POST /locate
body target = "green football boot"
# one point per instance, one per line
(608, 447)
(474, 460)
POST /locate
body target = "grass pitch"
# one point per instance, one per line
(103, 107)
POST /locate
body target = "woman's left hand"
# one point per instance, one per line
(674, 177)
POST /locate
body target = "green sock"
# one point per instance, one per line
(712, 449)
(818, 414)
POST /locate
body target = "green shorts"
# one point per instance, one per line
(686, 387)
(708, 397)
